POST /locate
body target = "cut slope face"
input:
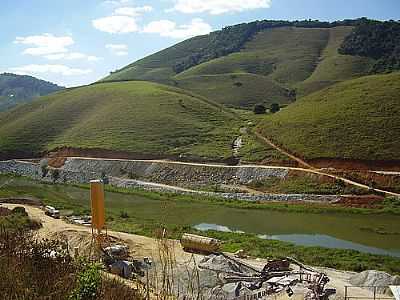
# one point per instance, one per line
(18, 89)
(146, 119)
(356, 119)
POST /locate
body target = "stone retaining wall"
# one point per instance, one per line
(80, 172)
(174, 173)
(34, 171)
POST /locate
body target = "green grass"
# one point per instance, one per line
(355, 119)
(334, 67)
(253, 151)
(137, 117)
(271, 64)
(158, 66)
(305, 185)
(236, 89)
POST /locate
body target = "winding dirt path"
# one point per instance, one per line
(284, 152)
(311, 169)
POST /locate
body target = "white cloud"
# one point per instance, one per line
(123, 19)
(116, 24)
(45, 44)
(118, 49)
(117, 2)
(72, 56)
(52, 47)
(133, 11)
(216, 7)
(167, 28)
(93, 58)
(55, 69)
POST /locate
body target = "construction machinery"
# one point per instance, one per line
(244, 281)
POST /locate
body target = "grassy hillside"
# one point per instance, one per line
(236, 89)
(136, 117)
(17, 89)
(356, 119)
(334, 67)
(273, 64)
(159, 66)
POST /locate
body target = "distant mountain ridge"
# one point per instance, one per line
(19, 89)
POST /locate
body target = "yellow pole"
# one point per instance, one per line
(97, 201)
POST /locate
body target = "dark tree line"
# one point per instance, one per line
(378, 40)
(232, 38)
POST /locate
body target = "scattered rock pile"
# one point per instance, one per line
(372, 278)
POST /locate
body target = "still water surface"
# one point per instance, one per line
(348, 231)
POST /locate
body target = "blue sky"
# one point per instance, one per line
(75, 42)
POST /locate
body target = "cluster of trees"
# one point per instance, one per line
(377, 40)
(260, 109)
(232, 38)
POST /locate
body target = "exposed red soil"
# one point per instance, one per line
(390, 182)
(365, 201)
(28, 201)
(57, 162)
(4, 212)
(354, 164)
(280, 163)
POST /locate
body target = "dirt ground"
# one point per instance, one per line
(148, 247)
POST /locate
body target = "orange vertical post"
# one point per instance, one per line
(97, 201)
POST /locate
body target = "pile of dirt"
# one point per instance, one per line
(219, 263)
(83, 240)
(372, 278)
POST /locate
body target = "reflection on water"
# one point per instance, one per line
(306, 240)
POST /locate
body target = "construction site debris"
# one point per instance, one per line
(80, 220)
(239, 280)
(240, 254)
(375, 279)
(118, 251)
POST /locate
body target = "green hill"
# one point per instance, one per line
(140, 118)
(18, 89)
(258, 62)
(356, 119)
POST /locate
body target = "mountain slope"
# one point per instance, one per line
(279, 58)
(140, 118)
(356, 119)
(17, 89)
(333, 67)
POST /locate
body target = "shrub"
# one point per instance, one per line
(88, 282)
(275, 107)
(259, 109)
(55, 174)
(20, 210)
(124, 215)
